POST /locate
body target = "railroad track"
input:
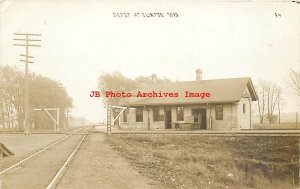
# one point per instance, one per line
(62, 131)
(44, 168)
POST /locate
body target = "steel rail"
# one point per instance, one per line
(62, 170)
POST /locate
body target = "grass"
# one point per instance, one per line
(183, 161)
(282, 126)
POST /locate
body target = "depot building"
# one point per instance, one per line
(227, 107)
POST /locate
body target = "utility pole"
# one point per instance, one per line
(26, 38)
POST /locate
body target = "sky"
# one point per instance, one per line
(82, 39)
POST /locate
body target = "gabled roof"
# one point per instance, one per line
(221, 91)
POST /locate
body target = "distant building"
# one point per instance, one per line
(226, 107)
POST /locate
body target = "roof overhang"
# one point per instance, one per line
(252, 91)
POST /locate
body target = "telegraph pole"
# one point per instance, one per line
(26, 37)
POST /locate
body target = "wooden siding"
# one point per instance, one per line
(231, 116)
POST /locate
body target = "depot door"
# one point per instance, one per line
(168, 119)
(200, 117)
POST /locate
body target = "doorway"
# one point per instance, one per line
(168, 119)
(200, 117)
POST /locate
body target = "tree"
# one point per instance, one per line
(149, 80)
(40, 96)
(273, 98)
(12, 94)
(269, 97)
(295, 81)
(261, 88)
(47, 93)
(2, 101)
(117, 82)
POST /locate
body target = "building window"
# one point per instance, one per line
(125, 112)
(244, 108)
(155, 113)
(139, 115)
(180, 114)
(219, 112)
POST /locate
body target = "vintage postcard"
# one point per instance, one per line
(149, 94)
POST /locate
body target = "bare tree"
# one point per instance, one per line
(279, 104)
(273, 96)
(269, 97)
(295, 81)
(261, 88)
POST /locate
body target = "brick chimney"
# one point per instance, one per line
(198, 75)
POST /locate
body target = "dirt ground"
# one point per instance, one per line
(24, 145)
(97, 165)
(38, 172)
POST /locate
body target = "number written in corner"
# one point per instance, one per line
(278, 15)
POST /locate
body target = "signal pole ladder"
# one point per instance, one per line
(110, 118)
